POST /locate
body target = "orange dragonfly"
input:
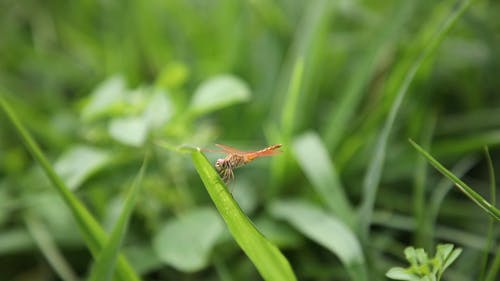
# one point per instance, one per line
(236, 158)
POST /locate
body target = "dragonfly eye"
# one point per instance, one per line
(219, 164)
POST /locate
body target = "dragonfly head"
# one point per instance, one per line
(219, 165)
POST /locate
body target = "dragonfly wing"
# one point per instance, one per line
(252, 156)
(229, 149)
(269, 151)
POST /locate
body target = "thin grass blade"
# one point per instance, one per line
(474, 196)
(374, 172)
(49, 249)
(105, 263)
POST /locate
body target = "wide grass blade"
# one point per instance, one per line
(106, 261)
(474, 196)
(312, 157)
(327, 231)
(374, 172)
(92, 232)
(266, 257)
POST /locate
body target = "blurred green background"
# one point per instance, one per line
(100, 83)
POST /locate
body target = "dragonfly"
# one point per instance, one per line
(236, 158)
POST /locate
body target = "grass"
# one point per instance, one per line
(88, 89)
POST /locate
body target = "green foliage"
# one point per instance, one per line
(342, 85)
(423, 268)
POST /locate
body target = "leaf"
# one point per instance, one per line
(474, 196)
(104, 97)
(266, 257)
(447, 255)
(325, 230)
(105, 263)
(312, 157)
(159, 110)
(129, 130)
(399, 273)
(218, 92)
(79, 163)
(411, 255)
(187, 241)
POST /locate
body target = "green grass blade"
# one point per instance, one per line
(49, 249)
(92, 232)
(312, 157)
(291, 103)
(374, 173)
(106, 261)
(326, 230)
(266, 257)
(474, 196)
(491, 224)
(494, 268)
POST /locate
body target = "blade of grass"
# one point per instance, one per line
(326, 230)
(474, 196)
(495, 266)
(374, 172)
(106, 261)
(266, 257)
(92, 232)
(491, 225)
(294, 82)
(288, 115)
(312, 157)
(454, 146)
(49, 249)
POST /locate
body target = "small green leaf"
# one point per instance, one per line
(451, 258)
(79, 163)
(266, 257)
(186, 242)
(218, 92)
(130, 130)
(422, 257)
(442, 251)
(399, 273)
(411, 255)
(104, 97)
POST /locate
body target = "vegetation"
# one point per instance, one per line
(108, 110)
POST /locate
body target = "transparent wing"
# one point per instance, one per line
(270, 151)
(231, 150)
